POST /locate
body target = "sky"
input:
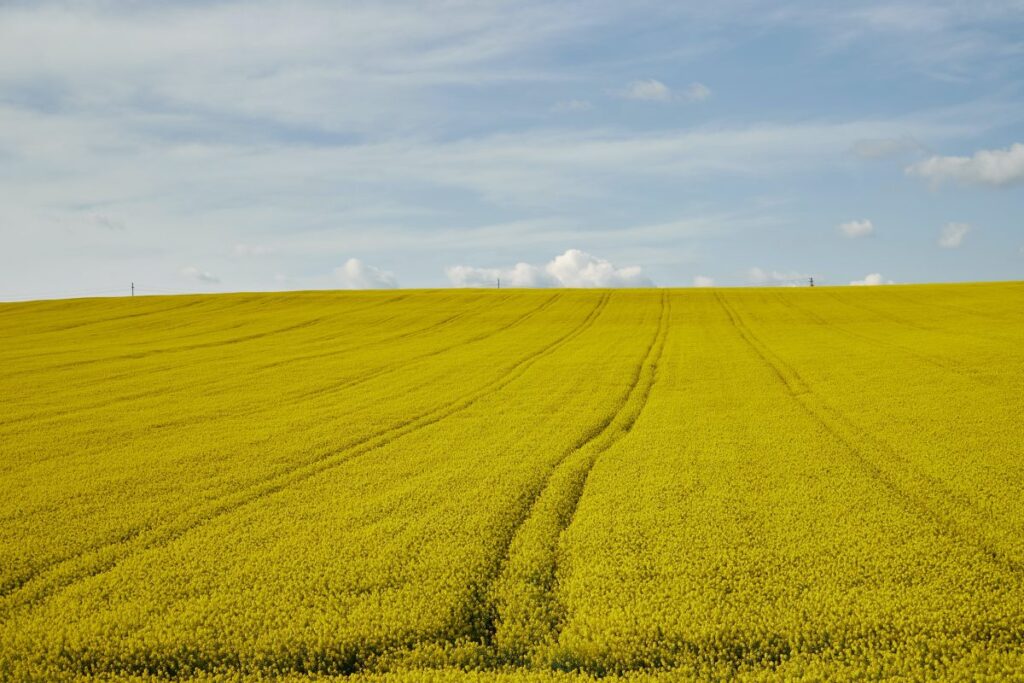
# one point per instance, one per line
(225, 146)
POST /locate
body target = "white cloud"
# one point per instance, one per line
(952, 236)
(871, 280)
(102, 159)
(703, 281)
(208, 124)
(574, 268)
(697, 92)
(519, 275)
(653, 90)
(573, 105)
(855, 229)
(338, 66)
(198, 274)
(995, 167)
(577, 268)
(355, 274)
(650, 90)
(792, 278)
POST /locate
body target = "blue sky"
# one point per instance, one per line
(217, 146)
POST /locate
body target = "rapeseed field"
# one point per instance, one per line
(531, 485)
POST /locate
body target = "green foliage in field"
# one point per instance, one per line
(514, 485)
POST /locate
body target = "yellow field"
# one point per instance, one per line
(511, 485)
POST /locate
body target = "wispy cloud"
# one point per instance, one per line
(887, 148)
(107, 221)
(856, 229)
(953, 234)
(252, 250)
(335, 66)
(281, 137)
(650, 90)
(653, 90)
(199, 275)
(573, 106)
(696, 92)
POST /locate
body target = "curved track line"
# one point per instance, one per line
(931, 329)
(485, 614)
(947, 365)
(319, 393)
(847, 433)
(230, 341)
(163, 392)
(108, 556)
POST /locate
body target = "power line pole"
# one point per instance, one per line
(133, 289)
(811, 280)
(499, 283)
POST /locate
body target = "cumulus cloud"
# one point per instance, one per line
(792, 278)
(574, 268)
(198, 274)
(703, 281)
(653, 90)
(355, 274)
(995, 167)
(952, 236)
(870, 280)
(855, 229)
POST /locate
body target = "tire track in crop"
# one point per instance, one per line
(131, 371)
(944, 364)
(961, 310)
(177, 349)
(122, 537)
(188, 347)
(931, 329)
(131, 398)
(549, 510)
(849, 434)
(115, 318)
(373, 374)
(230, 308)
(952, 366)
(485, 302)
(96, 561)
(319, 393)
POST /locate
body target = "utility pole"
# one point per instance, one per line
(811, 280)
(499, 283)
(133, 289)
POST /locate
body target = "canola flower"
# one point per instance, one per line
(756, 484)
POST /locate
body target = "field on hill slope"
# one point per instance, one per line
(514, 485)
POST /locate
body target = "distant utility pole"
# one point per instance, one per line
(133, 289)
(811, 279)
(499, 283)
